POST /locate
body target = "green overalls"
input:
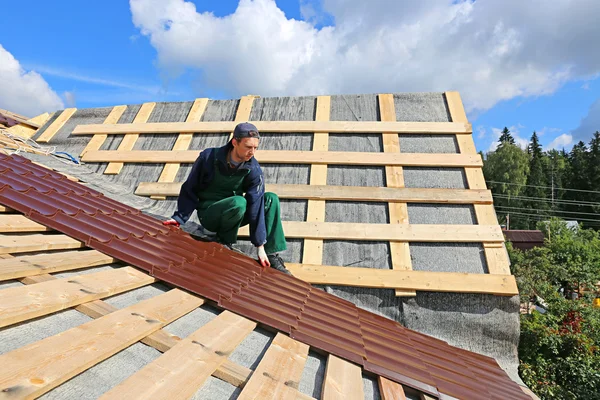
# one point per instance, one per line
(222, 209)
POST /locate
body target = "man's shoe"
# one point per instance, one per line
(277, 263)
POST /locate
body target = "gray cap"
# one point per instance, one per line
(245, 130)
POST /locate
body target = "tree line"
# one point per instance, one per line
(531, 185)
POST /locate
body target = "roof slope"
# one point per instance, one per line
(237, 283)
(483, 323)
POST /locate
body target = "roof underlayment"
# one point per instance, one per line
(482, 323)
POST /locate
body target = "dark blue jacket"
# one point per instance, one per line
(203, 172)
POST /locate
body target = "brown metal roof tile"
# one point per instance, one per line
(259, 314)
(322, 341)
(239, 284)
(12, 198)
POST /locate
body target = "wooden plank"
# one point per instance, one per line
(17, 117)
(4, 209)
(183, 142)
(496, 258)
(389, 232)
(278, 126)
(38, 367)
(13, 223)
(19, 304)
(161, 340)
(343, 380)
(243, 111)
(28, 243)
(129, 140)
(297, 157)
(394, 176)
(349, 193)
(56, 125)
(457, 282)
(97, 140)
(182, 370)
(27, 130)
(20, 267)
(278, 373)
(313, 248)
(390, 390)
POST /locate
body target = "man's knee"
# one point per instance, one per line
(271, 199)
(238, 206)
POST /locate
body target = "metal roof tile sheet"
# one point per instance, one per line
(239, 284)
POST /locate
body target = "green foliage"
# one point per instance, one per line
(558, 351)
(507, 169)
(536, 179)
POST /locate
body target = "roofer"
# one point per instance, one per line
(215, 189)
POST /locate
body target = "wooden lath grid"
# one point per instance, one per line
(276, 376)
(314, 230)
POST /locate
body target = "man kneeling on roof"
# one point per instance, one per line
(215, 188)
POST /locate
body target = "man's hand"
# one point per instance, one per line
(262, 256)
(171, 222)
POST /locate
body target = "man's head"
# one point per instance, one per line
(245, 141)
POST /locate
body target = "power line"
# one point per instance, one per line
(543, 200)
(553, 211)
(541, 217)
(544, 187)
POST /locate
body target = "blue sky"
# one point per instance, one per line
(104, 53)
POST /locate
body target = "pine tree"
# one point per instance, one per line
(578, 179)
(593, 169)
(537, 179)
(506, 137)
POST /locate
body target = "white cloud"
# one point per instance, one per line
(70, 98)
(75, 76)
(488, 50)
(24, 92)
(560, 142)
(589, 124)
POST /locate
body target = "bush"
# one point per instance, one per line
(558, 350)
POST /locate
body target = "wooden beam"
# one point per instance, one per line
(183, 142)
(394, 176)
(19, 304)
(348, 193)
(278, 126)
(41, 366)
(313, 248)
(56, 125)
(161, 340)
(12, 244)
(13, 223)
(96, 142)
(496, 258)
(21, 267)
(343, 380)
(182, 370)
(390, 390)
(456, 282)
(243, 111)
(128, 141)
(278, 373)
(388, 232)
(17, 117)
(297, 157)
(27, 130)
